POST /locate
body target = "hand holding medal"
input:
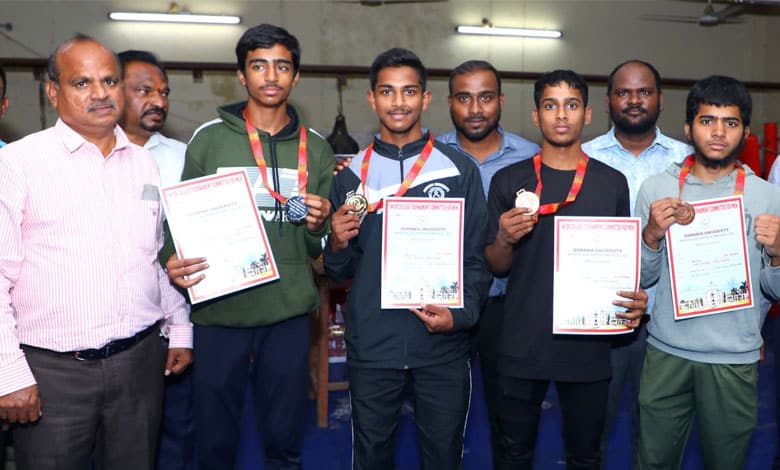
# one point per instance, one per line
(295, 207)
(527, 200)
(665, 212)
(684, 213)
(345, 222)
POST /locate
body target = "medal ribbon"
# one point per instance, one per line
(739, 185)
(257, 151)
(576, 184)
(408, 179)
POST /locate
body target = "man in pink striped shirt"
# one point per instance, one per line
(82, 295)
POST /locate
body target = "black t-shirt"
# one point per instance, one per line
(527, 347)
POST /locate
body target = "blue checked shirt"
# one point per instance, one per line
(513, 149)
(654, 159)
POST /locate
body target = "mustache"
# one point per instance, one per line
(633, 108)
(155, 110)
(100, 104)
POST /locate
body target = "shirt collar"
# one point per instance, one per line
(453, 137)
(612, 141)
(73, 140)
(154, 140)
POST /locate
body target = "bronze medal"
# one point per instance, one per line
(685, 214)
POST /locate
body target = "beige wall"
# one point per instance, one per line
(597, 35)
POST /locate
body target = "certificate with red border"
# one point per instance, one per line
(215, 217)
(708, 261)
(422, 252)
(594, 258)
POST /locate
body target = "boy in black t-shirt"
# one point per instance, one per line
(520, 245)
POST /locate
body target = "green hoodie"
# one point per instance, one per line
(223, 143)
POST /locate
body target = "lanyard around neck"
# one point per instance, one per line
(576, 184)
(257, 151)
(739, 184)
(408, 180)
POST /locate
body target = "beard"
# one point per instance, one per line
(717, 163)
(626, 126)
(154, 127)
(479, 134)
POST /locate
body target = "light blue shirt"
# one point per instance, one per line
(2, 144)
(169, 154)
(774, 173)
(653, 160)
(513, 149)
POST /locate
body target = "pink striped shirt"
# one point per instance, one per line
(79, 236)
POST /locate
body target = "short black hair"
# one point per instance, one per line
(266, 36)
(718, 90)
(474, 66)
(649, 66)
(397, 57)
(571, 78)
(146, 57)
(54, 72)
(5, 82)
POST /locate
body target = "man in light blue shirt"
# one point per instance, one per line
(637, 148)
(146, 108)
(475, 103)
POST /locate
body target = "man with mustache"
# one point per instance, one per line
(705, 365)
(475, 103)
(146, 92)
(83, 295)
(146, 109)
(637, 148)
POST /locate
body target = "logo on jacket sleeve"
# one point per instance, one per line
(436, 190)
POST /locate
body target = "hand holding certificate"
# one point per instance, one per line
(708, 260)
(594, 258)
(215, 218)
(422, 252)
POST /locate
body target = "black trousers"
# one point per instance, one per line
(441, 395)
(583, 406)
(488, 334)
(273, 361)
(110, 405)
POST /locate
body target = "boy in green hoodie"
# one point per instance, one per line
(259, 336)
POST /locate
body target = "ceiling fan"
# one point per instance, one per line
(712, 16)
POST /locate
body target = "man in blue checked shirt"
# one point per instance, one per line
(637, 148)
(475, 103)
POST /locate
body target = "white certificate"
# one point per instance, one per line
(215, 217)
(708, 261)
(422, 252)
(594, 258)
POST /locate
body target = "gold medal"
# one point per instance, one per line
(360, 203)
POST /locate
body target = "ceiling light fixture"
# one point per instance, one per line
(173, 15)
(487, 29)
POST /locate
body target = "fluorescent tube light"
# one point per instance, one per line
(516, 32)
(173, 18)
